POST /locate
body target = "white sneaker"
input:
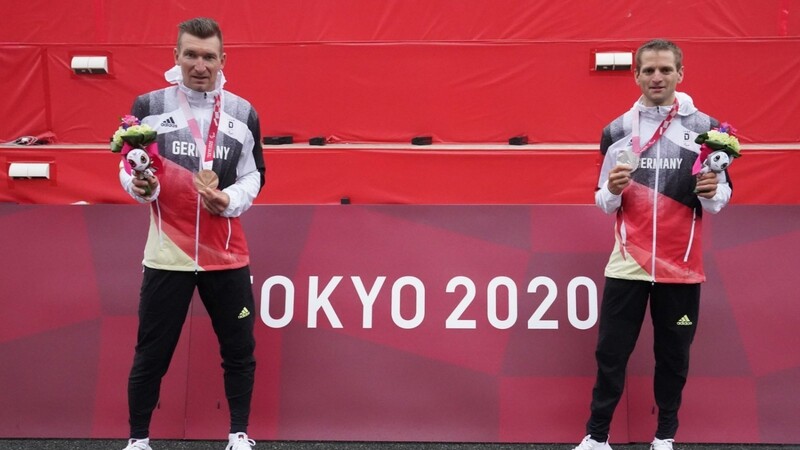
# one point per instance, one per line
(658, 444)
(239, 441)
(138, 444)
(590, 444)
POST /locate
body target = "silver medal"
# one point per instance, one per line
(628, 157)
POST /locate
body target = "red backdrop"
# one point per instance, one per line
(369, 76)
(400, 369)
(359, 71)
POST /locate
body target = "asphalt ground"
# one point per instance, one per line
(118, 444)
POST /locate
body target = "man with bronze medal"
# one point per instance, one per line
(212, 169)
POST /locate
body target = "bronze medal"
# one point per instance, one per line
(206, 179)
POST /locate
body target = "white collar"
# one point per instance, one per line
(175, 76)
(685, 106)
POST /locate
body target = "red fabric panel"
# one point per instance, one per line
(88, 108)
(39, 21)
(431, 176)
(102, 21)
(754, 178)
(76, 175)
(448, 20)
(361, 71)
(393, 92)
(366, 174)
(490, 92)
(788, 18)
(758, 97)
(24, 109)
(465, 93)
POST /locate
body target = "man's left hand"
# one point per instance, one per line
(706, 185)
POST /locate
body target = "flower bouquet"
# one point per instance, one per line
(718, 147)
(137, 144)
(132, 132)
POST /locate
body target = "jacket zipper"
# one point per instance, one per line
(230, 231)
(691, 236)
(197, 236)
(623, 236)
(655, 212)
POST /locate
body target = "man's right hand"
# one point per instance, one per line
(140, 186)
(619, 177)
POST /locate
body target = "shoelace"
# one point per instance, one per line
(585, 444)
(663, 444)
(243, 444)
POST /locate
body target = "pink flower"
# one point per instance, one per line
(725, 127)
(132, 132)
(129, 121)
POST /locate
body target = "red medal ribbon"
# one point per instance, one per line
(635, 140)
(209, 144)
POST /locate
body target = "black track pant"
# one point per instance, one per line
(164, 302)
(674, 312)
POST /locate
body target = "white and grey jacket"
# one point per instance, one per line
(658, 226)
(183, 236)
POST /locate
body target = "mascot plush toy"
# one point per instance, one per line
(141, 165)
(137, 144)
(718, 147)
(716, 161)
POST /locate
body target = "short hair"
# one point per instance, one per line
(202, 27)
(660, 45)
